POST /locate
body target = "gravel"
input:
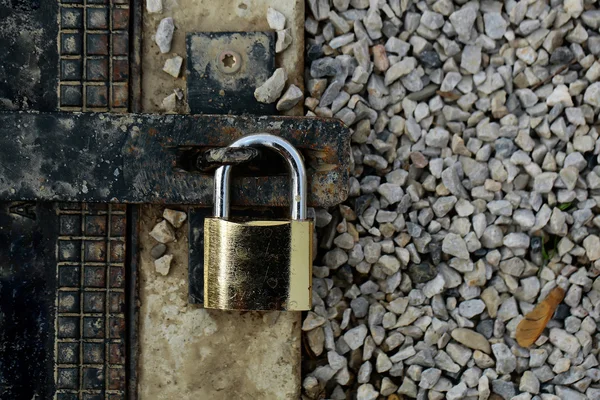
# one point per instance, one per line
(474, 191)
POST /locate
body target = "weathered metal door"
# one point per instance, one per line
(83, 315)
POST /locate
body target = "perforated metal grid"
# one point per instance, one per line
(94, 55)
(90, 348)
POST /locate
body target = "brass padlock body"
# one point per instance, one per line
(258, 265)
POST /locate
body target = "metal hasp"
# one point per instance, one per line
(136, 158)
(224, 68)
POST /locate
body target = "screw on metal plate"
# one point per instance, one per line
(229, 62)
(224, 70)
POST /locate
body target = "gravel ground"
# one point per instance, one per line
(475, 192)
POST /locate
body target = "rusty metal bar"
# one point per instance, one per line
(133, 158)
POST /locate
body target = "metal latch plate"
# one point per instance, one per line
(132, 158)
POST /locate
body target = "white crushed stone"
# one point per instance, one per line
(164, 34)
(173, 66)
(473, 192)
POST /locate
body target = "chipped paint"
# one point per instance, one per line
(42, 160)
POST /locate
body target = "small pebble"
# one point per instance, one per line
(290, 98)
(271, 90)
(154, 6)
(284, 40)
(175, 217)
(169, 103)
(173, 66)
(275, 19)
(164, 34)
(163, 232)
(158, 250)
(163, 264)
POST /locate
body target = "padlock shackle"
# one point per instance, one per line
(295, 163)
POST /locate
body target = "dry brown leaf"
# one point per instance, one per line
(531, 327)
(449, 95)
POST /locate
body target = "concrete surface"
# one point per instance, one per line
(189, 353)
(215, 16)
(186, 352)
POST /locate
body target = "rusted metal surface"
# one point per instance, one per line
(210, 159)
(133, 158)
(224, 68)
(91, 343)
(29, 65)
(95, 56)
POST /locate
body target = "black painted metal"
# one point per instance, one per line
(132, 158)
(27, 295)
(210, 91)
(62, 335)
(196, 218)
(28, 55)
(28, 80)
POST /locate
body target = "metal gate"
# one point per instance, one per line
(76, 159)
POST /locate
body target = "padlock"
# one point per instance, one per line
(259, 265)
